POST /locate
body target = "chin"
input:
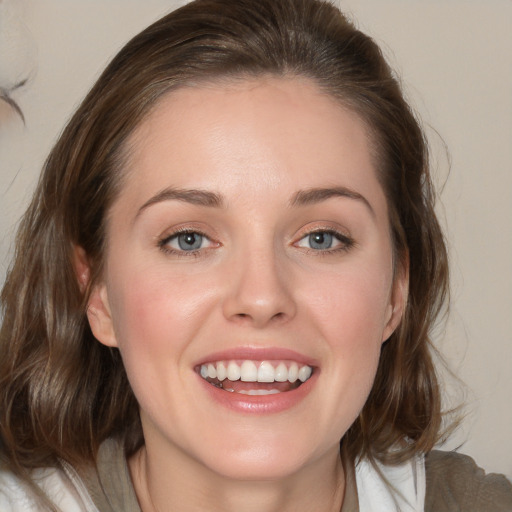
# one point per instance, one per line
(246, 469)
(273, 459)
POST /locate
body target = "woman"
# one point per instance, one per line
(231, 265)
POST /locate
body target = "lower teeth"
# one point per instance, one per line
(259, 391)
(231, 387)
(246, 391)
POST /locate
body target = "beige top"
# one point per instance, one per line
(454, 483)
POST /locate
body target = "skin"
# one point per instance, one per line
(256, 281)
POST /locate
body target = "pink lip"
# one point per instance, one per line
(260, 404)
(258, 354)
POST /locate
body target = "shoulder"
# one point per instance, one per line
(108, 483)
(16, 494)
(455, 482)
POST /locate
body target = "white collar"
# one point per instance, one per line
(377, 495)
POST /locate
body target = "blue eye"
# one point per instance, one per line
(325, 240)
(186, 241)
(320, 240)
(189, 241)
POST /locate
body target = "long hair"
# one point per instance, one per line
(61, 392)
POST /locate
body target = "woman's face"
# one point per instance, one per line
(249, 249)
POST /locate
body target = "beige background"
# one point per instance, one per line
(455, 58)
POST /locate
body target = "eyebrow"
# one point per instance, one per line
(191, 196)
(213, 200)
(316, 195)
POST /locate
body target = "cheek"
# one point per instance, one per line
(351, 315)
(351, 308)
(139, 316)
(156, 315)
(154, 310)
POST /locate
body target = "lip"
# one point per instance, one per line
(259, 404)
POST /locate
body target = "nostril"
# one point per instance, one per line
(247, 305)
(258, 319)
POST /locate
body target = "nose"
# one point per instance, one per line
(260, 290)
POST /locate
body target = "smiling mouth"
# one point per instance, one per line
(255, 377)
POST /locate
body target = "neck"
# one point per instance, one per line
(188, 486)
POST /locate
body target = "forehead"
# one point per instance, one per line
(260, 134)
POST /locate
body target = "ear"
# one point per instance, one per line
(100, 316)
(82, 267)
(398, 300)
(98, 308)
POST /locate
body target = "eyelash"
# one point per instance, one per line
(163, 243)
(346, 243)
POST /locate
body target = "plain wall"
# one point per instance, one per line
(455, 60)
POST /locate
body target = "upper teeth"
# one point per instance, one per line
(251, 371)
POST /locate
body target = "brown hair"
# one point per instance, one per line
(61, 392)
